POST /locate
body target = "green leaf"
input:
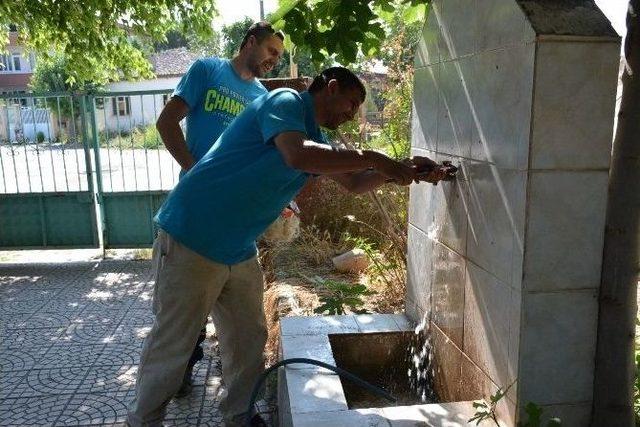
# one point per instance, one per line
(285, 7)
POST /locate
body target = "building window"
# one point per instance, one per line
(121, 106)
(10, 62)
(5, 64)
(16, 62)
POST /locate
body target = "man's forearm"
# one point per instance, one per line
(173, 138)
(364, 181)
(322, 159)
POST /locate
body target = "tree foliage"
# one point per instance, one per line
(344, 29)
(232, 35)
(95, 35)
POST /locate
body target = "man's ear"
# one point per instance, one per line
(333, 87)
(251, 41)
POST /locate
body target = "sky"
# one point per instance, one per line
(234, 10)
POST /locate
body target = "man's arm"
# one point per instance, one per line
(322, 159)
(360, 182)
(168, 126)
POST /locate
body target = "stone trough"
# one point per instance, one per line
(369, 346)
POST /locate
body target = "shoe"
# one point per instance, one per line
(257, 421)
(186, 386)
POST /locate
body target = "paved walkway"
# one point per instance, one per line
(70, 341)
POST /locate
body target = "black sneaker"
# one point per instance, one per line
(187, 385)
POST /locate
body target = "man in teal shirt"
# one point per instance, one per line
(210, 95)
(214, 91)
(206, 250)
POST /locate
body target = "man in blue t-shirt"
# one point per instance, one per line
(210, 95)
(214, 91)
(206, 246)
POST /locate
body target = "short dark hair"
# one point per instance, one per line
(345, 77)
(260, 30)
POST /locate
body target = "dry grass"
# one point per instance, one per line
(289, 268)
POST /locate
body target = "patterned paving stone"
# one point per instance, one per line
(21, 306)
(70, 342)
(88, 333)
(9, 381)
(114, 354)
(50, 381)
(86, 409)
(109, 379)
(70, 355)
(31, 339)
(41, 320)
(13, 321)
(19, 359)
(33, 411)
(183, 408)
(136, 317)
(129, 335)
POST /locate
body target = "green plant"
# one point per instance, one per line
(40, 137)
(139, 137)
(341, 295)
(487, 411)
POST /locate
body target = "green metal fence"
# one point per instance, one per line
(135, 171)
(82, 169)
(46, 196)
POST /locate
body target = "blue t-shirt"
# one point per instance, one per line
(221, 206)
(215, 95)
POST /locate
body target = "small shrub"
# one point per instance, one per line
(40, 137)
(341, 295)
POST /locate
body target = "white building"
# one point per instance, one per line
(124, 112)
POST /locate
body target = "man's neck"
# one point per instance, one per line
(240, 66)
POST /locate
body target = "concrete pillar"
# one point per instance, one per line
(506, 261)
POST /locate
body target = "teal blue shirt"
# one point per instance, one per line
(240, 186)
(215, 94)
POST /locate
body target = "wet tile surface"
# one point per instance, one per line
(70, 341)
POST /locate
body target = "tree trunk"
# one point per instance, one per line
(615, 370)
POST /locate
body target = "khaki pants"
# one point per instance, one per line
(188, 287)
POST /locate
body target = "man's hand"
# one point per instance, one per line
(430, 171)
(399, 172)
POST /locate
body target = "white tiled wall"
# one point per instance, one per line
(506, 260)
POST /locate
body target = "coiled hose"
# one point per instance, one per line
(343, 373)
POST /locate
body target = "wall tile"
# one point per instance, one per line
(500, 24)
(448, 292)
(421, 207)
(450, 205)
(427, 51)
(575, 96)
(424, 113)
(458, 21)
(496, 200)
(419, 269)
(486, 324)
(557, 347)
(565, 233)
(455, 122)
(515, 312)
(501, 95)
(447, 367)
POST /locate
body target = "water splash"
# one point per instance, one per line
(420, 360)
